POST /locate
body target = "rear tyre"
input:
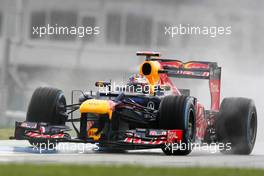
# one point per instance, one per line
(47, 105)
(236, 126)
(178, 112)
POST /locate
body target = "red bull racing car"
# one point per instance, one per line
(158, 116)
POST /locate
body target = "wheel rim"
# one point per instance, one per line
(191, 126)
(190, 129)
(252, 128)
(61, 104)
(60, 108)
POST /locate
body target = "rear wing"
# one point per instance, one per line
(178, 69)
(192, 69)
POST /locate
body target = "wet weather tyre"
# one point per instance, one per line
(178, 112)
(236, 126)
(47, 105)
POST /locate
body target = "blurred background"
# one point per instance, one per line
(70, 62)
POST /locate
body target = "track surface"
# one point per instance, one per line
(21, 152)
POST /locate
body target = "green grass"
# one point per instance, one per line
(5, 133)
(78, 170)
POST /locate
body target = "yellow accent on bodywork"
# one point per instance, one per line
(153, 77)
(97, 107)
(92, 134)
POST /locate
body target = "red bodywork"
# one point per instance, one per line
(166, 136)
(214, 86)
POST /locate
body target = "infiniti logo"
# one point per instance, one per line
(151, 105)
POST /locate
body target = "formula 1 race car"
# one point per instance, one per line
(152, 113)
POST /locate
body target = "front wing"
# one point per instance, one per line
(133, 139)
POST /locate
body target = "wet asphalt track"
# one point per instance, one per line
(20, 152)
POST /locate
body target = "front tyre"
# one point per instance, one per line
(47, 105)
(178, 112)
